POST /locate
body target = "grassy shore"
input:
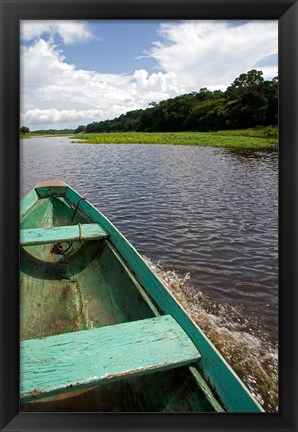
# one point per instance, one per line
(258, 138)
(41, 135)
(27, 135)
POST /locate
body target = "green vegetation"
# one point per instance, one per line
(26, 133)
(244, 116)
(258, 138)
(24, 130)
(248, 102)
(54, 132)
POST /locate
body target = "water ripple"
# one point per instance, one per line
(207, 212)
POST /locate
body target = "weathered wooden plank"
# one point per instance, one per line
(48, 188)
(28, 202)
(192, 369)
(234, 394)
(76, 360)
(51, 183)
(62, 234)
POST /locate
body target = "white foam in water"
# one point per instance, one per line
(244, 346)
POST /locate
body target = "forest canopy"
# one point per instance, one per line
(249, 101)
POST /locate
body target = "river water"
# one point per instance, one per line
(206, 220)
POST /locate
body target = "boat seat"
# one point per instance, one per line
(38, 236)
(77, 360)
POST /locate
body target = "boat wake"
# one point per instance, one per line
(236, 335)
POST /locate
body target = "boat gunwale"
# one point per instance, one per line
(233, 393)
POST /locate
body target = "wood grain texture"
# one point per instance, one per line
(53, 235)
(51, 188)
(76, 360)
(171, 391)
(232, 392)
(28, 202)
(216, 373)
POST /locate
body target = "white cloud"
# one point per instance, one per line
(46, 116)
(69, 31)
(213, 53)
(54, 91)
(269, 72)
(189, 55)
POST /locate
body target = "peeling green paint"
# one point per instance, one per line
(102, 283)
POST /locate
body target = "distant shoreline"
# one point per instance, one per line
(258, 138)
(36, 134)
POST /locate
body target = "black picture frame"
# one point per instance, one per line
(12, 11)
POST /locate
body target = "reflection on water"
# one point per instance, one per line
(207, 212)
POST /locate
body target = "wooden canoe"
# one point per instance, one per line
(99, 331)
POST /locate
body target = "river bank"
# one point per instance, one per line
(258, 138)
(45, 135)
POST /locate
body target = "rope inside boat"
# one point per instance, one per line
(58, 247)
(76, 209)
(80, 229)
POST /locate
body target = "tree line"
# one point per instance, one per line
(25, 130)
(248, 102)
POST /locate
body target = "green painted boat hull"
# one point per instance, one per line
(94, 279)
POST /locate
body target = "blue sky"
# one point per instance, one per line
(76, 72)
(118, 47)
